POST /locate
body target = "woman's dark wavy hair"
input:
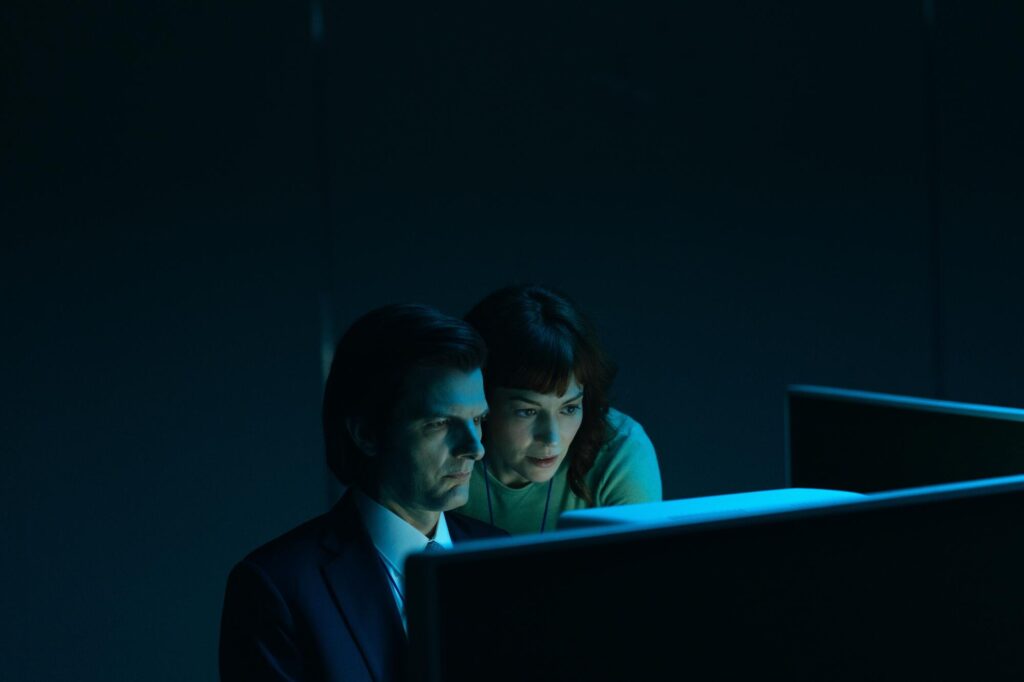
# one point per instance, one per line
(370, 365)
(538, 340)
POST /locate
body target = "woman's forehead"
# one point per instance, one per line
(573, 389)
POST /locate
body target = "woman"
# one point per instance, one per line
(552, 442)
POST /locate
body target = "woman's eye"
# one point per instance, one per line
(526, 412)
(572, 410)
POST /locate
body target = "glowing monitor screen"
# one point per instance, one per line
(710, 508)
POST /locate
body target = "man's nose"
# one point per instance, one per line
(470, 444)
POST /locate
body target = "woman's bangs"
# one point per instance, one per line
(544, 365)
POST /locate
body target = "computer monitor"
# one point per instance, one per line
(708, 508)
(867, 442)
(921, 584)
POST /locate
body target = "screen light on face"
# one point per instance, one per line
(529, 433)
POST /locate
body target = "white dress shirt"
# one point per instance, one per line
(395, 540)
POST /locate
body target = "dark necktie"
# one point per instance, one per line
(433, 546)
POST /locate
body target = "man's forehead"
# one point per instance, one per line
(433, 389)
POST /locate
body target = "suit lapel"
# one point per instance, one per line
(455, 529)
(359, 584)
(462, 528)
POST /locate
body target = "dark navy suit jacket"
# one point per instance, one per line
(315, 604)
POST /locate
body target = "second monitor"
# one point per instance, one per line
(868, 442)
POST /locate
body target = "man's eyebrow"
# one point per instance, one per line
(451, 414)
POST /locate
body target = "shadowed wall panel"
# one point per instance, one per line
(735, 191)
(160, 370)
(980, 64)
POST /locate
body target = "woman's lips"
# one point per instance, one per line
(543, 462)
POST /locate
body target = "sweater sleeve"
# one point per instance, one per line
(626, 468)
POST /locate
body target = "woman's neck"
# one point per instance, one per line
(508, 477)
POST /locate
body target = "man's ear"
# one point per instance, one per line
(360, 434)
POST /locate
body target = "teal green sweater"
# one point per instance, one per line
(625, 472)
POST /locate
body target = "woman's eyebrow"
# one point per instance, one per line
(575, 397)
(524, 399)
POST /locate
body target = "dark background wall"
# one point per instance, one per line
(197, 198)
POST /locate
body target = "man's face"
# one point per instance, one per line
(433, 440)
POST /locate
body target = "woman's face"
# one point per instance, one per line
(528, 434)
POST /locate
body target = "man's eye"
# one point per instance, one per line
(437, 424)
(481, 419)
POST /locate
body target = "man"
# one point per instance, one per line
(402, 411)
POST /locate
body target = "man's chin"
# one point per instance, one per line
(455, 498)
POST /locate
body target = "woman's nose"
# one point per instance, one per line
(547, 432)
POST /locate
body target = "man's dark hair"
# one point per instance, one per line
(371, 362)
(538, 340)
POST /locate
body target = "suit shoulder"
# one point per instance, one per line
(290, 549)
(466, 528)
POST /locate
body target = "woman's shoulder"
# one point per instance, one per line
(626, 467)
(625, 441)
(623, 429)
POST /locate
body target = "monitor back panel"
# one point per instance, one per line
(918, 590)
(864, 445)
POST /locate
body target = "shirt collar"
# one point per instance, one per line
(394, 538)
